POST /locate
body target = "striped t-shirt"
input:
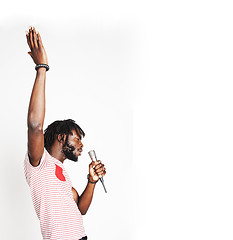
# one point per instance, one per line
(51, 191)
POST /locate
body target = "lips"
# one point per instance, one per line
(80, 151)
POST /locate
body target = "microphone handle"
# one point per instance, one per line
(101, 179)
(94, 159)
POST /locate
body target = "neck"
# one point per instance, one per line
(57, 153)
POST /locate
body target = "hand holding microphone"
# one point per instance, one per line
(96, 169)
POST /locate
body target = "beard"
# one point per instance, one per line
(68, 151)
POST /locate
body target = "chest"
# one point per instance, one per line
(54, 180)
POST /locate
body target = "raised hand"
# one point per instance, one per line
(38, 52)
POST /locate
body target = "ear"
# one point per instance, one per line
(60, 138)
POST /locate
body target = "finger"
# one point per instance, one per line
(39, 40)
(27, 36)
(31, 38)
(93, 165)
(104, 173)
(91, 169)
(34, 37)
(100, 171)
(99, 166)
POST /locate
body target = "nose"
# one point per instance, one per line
(81, 144)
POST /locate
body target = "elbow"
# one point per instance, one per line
(35, 126)
(83, 212)
(34, 122)
(82, 207)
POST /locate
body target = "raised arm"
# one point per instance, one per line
(36, 110)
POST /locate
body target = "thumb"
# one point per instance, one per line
(30, 54)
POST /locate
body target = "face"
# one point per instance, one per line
(72, 150)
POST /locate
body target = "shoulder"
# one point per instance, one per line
(41, 164)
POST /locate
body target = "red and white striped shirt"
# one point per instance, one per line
(51, 191)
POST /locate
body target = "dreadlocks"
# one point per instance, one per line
(64, 128)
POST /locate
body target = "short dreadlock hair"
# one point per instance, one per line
(64, 128)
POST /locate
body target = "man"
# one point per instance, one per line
(58, 205)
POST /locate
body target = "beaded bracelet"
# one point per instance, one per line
(88, 175)
(42, 65)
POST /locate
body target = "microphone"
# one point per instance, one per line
(94, 159)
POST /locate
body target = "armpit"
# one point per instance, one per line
(75, 195)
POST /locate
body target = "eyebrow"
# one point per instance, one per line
(78, 134)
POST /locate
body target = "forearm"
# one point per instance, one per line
(85, 199)
(95, 170)
(36, 110)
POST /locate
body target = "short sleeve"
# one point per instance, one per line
(28, 168)
(42, 164)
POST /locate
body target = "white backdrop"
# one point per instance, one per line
(92, 59)
(151, 85)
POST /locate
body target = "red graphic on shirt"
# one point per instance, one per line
(59, 173)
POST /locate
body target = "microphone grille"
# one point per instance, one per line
(92, 155)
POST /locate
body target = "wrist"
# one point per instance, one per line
(42, 65)
(90, 179)
(41, 70)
